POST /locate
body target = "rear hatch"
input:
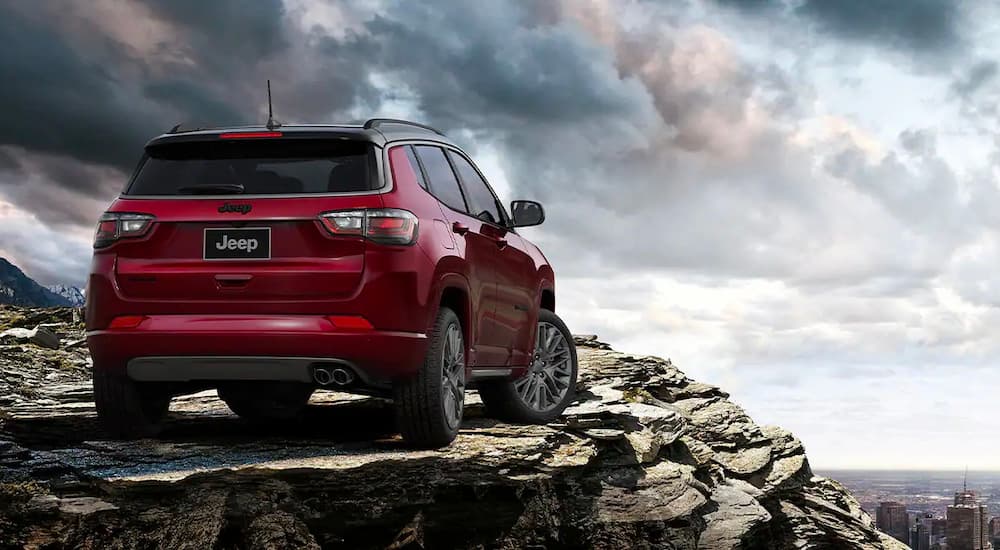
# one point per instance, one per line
(235, 220)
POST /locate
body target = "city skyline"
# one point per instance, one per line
(960, 508)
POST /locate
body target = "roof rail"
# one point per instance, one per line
(373, 123)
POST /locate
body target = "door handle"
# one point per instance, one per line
(459, 228)
(501, 243)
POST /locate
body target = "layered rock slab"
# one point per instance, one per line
(645, 458)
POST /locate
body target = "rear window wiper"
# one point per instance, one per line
(212, 189)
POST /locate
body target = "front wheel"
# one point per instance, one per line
(542, 394)
(429, 405)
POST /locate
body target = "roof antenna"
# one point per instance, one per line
(965, 480)
(271, 123)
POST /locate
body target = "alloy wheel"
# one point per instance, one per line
(548, 378)
(453, 375)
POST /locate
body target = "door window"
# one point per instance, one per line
(441, 179)
(482, 203)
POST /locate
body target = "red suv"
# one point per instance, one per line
(269, 262)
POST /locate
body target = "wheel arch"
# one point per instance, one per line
(548, 299)
(453, 293)
(547, 288)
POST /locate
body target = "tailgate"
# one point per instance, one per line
(236, 220)
(294, 257)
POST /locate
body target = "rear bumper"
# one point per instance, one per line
(275, 347)
(181, 368)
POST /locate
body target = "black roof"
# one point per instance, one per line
(376, 130)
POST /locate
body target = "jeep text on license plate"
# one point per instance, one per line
(244, 243)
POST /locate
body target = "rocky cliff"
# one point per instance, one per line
(646, 458)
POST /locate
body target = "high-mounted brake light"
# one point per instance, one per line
(113, 226)
(249, 135)
(380, 225)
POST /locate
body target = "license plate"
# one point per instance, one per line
(243, 243)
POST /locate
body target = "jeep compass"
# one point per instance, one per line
(270, 262)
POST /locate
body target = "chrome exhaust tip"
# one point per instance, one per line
(322, 376)
(342, 377)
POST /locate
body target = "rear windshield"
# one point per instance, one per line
(256, 167)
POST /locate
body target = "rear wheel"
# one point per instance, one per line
(128, 409)
(543, 393)
(429, 405)
(266, 401)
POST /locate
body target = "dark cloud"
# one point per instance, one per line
(753, 4)
(928, 27)
(59, 101)
(198, 104)
(478, 63)
(88, 102)
(76, 127)
(337, 80)
(227, 32)
(91, 180)
(972, 80)
(237, 46)
(82, 94)
(36, 183)
(921, 25)
(7, 161)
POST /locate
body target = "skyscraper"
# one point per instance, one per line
(967, 527)
(891, 519)
(921, 533)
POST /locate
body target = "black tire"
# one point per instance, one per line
(266, 402)
(503, 401)
(422, 401)
(128, 409)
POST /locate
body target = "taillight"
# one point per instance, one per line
(380, 225)
(344, 222)
(391, 226)
(119, 225)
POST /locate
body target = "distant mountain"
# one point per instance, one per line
(18, 289)
(72, 293)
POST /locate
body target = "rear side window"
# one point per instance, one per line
(256, 167)
(411, 156)
(405, 167)
(441, 179)
(482, 203)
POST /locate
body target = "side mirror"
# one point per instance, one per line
(526, 213)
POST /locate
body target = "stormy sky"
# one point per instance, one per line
(796, 200)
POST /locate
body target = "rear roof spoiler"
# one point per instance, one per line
(374, 123)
